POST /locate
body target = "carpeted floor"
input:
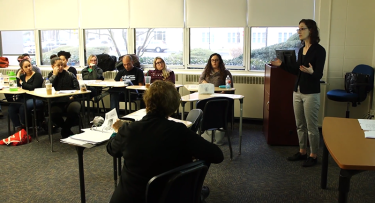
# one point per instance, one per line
(31, 173)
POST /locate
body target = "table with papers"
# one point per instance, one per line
(368, 127)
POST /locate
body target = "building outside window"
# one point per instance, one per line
(16, 43)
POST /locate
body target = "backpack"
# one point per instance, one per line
(357, 83)
(4, 62)
(106, 62)
(17, 138)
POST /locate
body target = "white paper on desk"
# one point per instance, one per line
(136, 116)
(110, 118)
(369, 134)
(66, 91)
(368, 126)
(92, 136)
(75, 142)
(364, 121)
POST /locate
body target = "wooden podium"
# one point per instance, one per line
(279, 125)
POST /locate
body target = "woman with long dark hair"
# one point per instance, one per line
(306, 95)
(215, 71)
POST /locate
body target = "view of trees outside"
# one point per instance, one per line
(15, 43)
(164, 42)
(53, 41)
(265, 40)
(228, 42)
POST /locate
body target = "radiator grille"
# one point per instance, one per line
(236, 79)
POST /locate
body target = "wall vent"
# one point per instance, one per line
(236, 79)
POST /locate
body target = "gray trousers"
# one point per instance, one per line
(306, 110)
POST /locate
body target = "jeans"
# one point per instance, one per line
(306, 110)
(17, 111)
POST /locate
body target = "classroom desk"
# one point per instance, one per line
(20, 91)
(345, 141)
(137, 115)
(42, 94)
(196, 97)
(143, 88)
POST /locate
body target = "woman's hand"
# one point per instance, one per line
(203, 81)
(20, 72)
(276, 62)
(71, 97)
(308, 70)
(55, 71)
(117, 125)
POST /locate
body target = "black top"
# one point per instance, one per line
(135, 75)
(308, 83)
(64, 81)
(152, 146)
(96, 73)
(35, 81)
(73, 70)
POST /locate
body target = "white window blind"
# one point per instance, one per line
(216, 13)
(156, 14)
(280, 12)
(17, 15)
(104, 14)
(56, 14)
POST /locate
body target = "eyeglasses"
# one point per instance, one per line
(93, 60)
(302, 29)
(215, 60)
(158, 63)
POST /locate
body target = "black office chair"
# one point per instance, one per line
(195, 116)
(215, 114)
(360, 90)
(182, 184)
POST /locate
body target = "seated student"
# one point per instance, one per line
(161, 71)
(64, 56)
(134, 76)
(64, 80)
(92, 72)
(27, 56)
(155, 144)
(28, 80)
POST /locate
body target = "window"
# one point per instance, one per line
(164, 42)
(53, 41)
(16, 43)
(258, 37)
(226, 44)
(254, 37)
(203, 37)
(290, 34)
(263, 53)
(108, 41)
(263, 37)
(285, 36)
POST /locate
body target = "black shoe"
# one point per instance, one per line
(298, 156)
(310, 162)
(205, 192)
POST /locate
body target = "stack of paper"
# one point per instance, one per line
(136, 116)
(368, 126)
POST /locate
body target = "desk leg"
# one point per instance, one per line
(50, 123)
(26, 123)
(130, 101)
(81, 173)
(126, 99)
(35, 121)
(323, 181)
(240, 131)
(115, 170)
(183, 109)
(119, 166)
(344, 184)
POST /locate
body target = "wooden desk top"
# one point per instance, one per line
(41, 92)
(19, 91)
(100, 83)
(138, 115)
(138, 87)
(194, 88)
(346, 142)
(196, 97)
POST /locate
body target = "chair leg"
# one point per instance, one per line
(347, 110)
(103, 107)
(230, 146)
(9, 125)
(212, 136)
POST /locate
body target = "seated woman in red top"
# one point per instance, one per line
(161, 71)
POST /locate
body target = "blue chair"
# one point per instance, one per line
(340, 95)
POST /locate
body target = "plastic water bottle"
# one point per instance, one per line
(47, 81)
(228, 82)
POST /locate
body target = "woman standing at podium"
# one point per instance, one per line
(306, 95)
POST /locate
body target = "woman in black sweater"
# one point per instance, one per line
(306, 95)
(64, 80)
(65, 56)
(28, 80)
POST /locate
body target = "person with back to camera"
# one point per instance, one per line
(93, 72)
(306, 95)
(65, 56)
(215, 73)
(161, 72)
(28, 79)
(64, 80)
(155, 144)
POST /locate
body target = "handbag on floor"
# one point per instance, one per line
(18, 138)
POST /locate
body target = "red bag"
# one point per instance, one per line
(18, 138)
(4, 62)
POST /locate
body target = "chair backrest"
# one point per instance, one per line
(182, 184)
(215, 113)
(195, 116)
(368, 70)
